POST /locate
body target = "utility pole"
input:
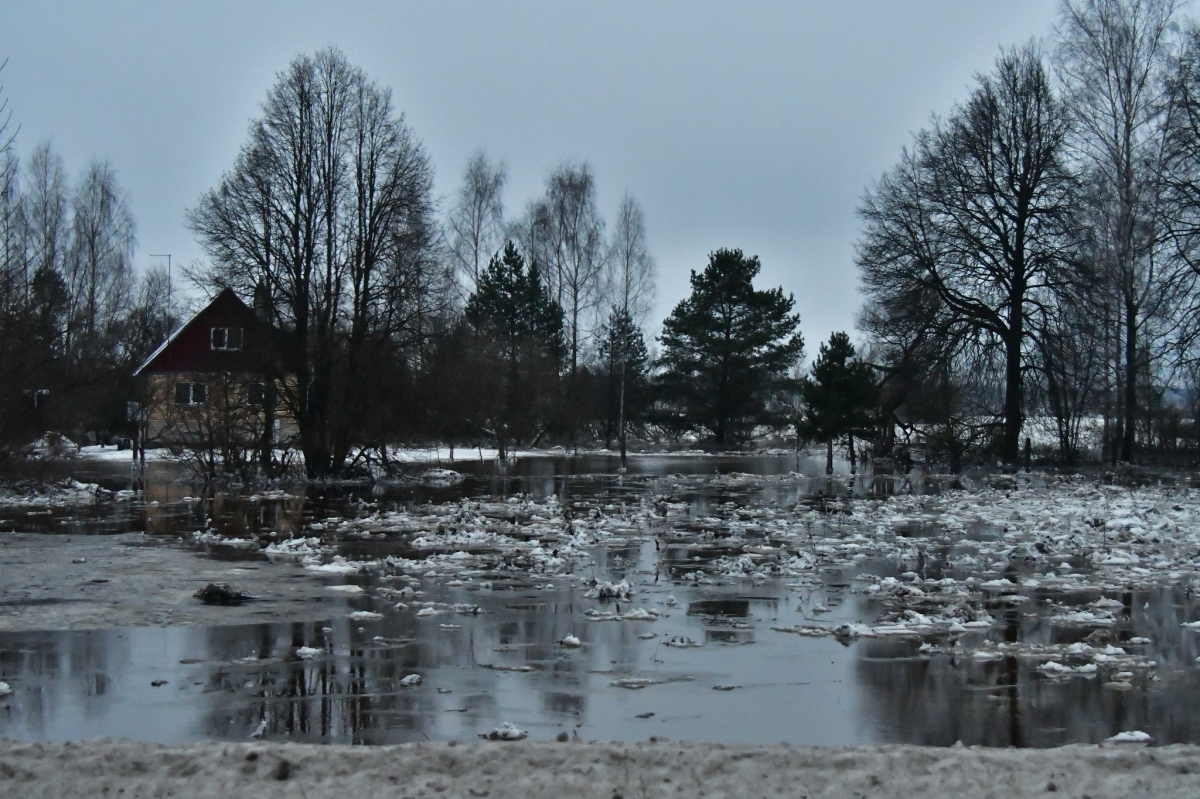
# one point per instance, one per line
(167, 255)
(142, 413)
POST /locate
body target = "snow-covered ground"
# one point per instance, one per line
(508, 770)
(100, 452)
(63, 494)
(436, 454)
(442, 453)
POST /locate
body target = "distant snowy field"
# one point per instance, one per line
(435, 454)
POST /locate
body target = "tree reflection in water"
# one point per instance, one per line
(942, 699)
(62, 675)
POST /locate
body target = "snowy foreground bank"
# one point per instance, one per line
(601, 771)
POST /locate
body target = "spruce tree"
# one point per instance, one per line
(728, 347)
(511, 309)
(840, 395)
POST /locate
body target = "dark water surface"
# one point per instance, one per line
(504, 663)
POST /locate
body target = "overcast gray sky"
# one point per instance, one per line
(753, 125)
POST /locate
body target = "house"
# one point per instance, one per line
(215, 385)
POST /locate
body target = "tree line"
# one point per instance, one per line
(75, 316)
(479, 328)
(1030, 264)
(397, 324)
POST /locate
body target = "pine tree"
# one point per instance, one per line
(728, 347)
(840, 395)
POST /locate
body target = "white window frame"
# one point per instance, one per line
(262, 386)
(225, 338)
(191, 403)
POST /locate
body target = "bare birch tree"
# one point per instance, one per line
(630, 291)
(325, 223)
(476, 222)
(531, 233)
(99, 272)
(630, 275)
(46, 208)
(980, 214)
(8, 131)
(1112, 56)
(1183, 181)
(14, 282)
(574, 246)
(12, 250)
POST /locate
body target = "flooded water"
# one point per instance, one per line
(711, 666)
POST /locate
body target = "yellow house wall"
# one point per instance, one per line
(170, 424)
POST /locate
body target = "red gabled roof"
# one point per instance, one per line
(189, 349)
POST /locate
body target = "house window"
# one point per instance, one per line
(226, 338)
(256, 395)
(190, 393)
(40, 397)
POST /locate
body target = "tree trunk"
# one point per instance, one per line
(853, 456)
(1011, 445)
(621, 415)
(829, 457)
(1127, 438)
(1106, 446)
(267, 443)
(609, 422)
(1118, 401)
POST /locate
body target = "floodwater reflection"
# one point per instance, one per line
(505, 664)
